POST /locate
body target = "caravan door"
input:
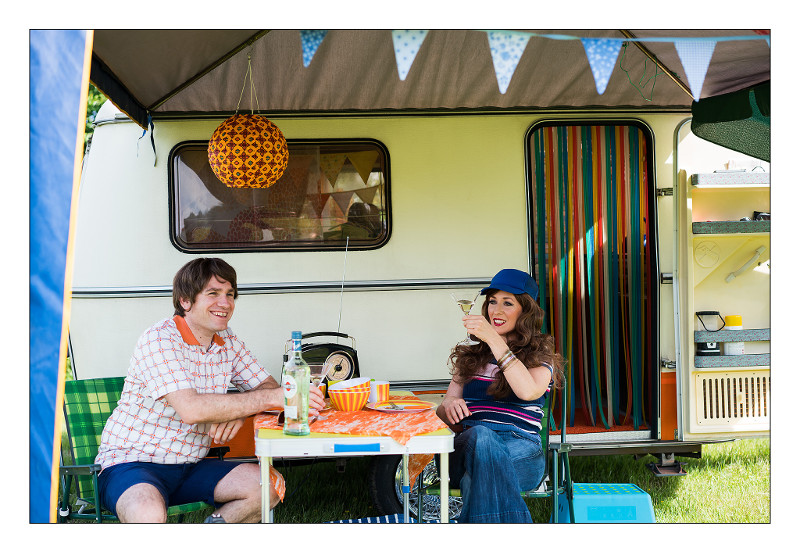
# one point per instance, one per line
(722, 204)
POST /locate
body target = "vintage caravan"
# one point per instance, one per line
(400, 194)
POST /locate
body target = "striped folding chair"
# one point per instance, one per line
(87, 406)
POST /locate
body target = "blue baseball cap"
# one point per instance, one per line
(514, 281)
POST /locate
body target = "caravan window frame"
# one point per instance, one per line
(379, 223)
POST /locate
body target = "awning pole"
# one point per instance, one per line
(655, 60)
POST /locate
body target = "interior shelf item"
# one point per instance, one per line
(731, 178)
(744, 335)
(746, 360)
(730, 227)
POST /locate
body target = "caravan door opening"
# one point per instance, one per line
(593, 229)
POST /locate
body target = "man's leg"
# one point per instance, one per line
(240, 490)
(141, 503)
(233, 487)
(135, 492)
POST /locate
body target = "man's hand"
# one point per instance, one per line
(223, 432)
(315, 399)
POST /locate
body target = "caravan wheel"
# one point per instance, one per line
(386, 492)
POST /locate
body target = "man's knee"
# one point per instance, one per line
(141, 503)
(241, 483)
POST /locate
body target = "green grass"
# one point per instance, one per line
(730, 483)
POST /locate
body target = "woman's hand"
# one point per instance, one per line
(223, 432)
(479, 327)
(454, 410)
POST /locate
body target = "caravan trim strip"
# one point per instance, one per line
(290, 287)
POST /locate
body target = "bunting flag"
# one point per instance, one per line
(363, 162)
(331, 164)
(602, 54)
(507, 48)
(310, 40)
(342, 199)
(318, 202)
(367, 194)
(695, 56)
(406, 46)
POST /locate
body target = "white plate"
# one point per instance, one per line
(403, 406)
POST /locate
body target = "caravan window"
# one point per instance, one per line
(332, 193)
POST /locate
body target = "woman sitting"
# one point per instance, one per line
(495, 398)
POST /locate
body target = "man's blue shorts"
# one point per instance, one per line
(178, 484)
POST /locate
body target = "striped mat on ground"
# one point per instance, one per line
(390, 519)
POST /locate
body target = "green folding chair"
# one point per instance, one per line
(87, 406)
(556, 479)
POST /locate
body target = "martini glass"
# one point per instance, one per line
(466, 306)
(318, 372)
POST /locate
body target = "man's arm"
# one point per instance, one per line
(194, 408)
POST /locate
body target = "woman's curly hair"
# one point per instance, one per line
(526, 341)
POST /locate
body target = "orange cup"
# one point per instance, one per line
(379, 391)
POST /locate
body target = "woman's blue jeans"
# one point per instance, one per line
(492, 468)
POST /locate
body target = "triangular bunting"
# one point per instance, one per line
(367, 194)
(406, 46)
(695, 56)
(363, 162)
(602, 54)
(331, 164)
(318, 202)
(507, 48)
(310, 41)
(342, 199)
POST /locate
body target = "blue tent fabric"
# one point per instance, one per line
(56, 83)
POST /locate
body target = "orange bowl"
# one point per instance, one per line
(351, 384)
(349, 400)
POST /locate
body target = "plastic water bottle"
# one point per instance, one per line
(733, 322)
(295, 382)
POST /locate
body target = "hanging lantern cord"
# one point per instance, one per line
(252, 88)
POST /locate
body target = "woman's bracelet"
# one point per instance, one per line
(506, 360)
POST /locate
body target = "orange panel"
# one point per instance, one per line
(669, 406)
(243, 444)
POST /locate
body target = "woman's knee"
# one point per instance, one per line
(480, 435)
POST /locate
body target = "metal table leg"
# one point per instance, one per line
(444, 487)
(406, 488)
(266, 489)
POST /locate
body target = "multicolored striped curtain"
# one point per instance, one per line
(593, 207)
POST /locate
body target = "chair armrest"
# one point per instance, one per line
(79, 470)
(560, 448)
(218, 452)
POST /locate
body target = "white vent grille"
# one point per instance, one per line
(733, 399)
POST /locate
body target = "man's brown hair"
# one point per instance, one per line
(193, 277)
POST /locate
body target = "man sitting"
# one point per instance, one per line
(174, 402)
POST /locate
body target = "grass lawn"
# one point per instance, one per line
(729, 484)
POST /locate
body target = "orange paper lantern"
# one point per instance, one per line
(248, 151)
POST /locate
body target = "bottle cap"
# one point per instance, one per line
(733, 320)
(297, 335)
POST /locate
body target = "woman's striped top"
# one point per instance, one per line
(508, 413)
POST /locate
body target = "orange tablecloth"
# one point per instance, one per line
(401, 427)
